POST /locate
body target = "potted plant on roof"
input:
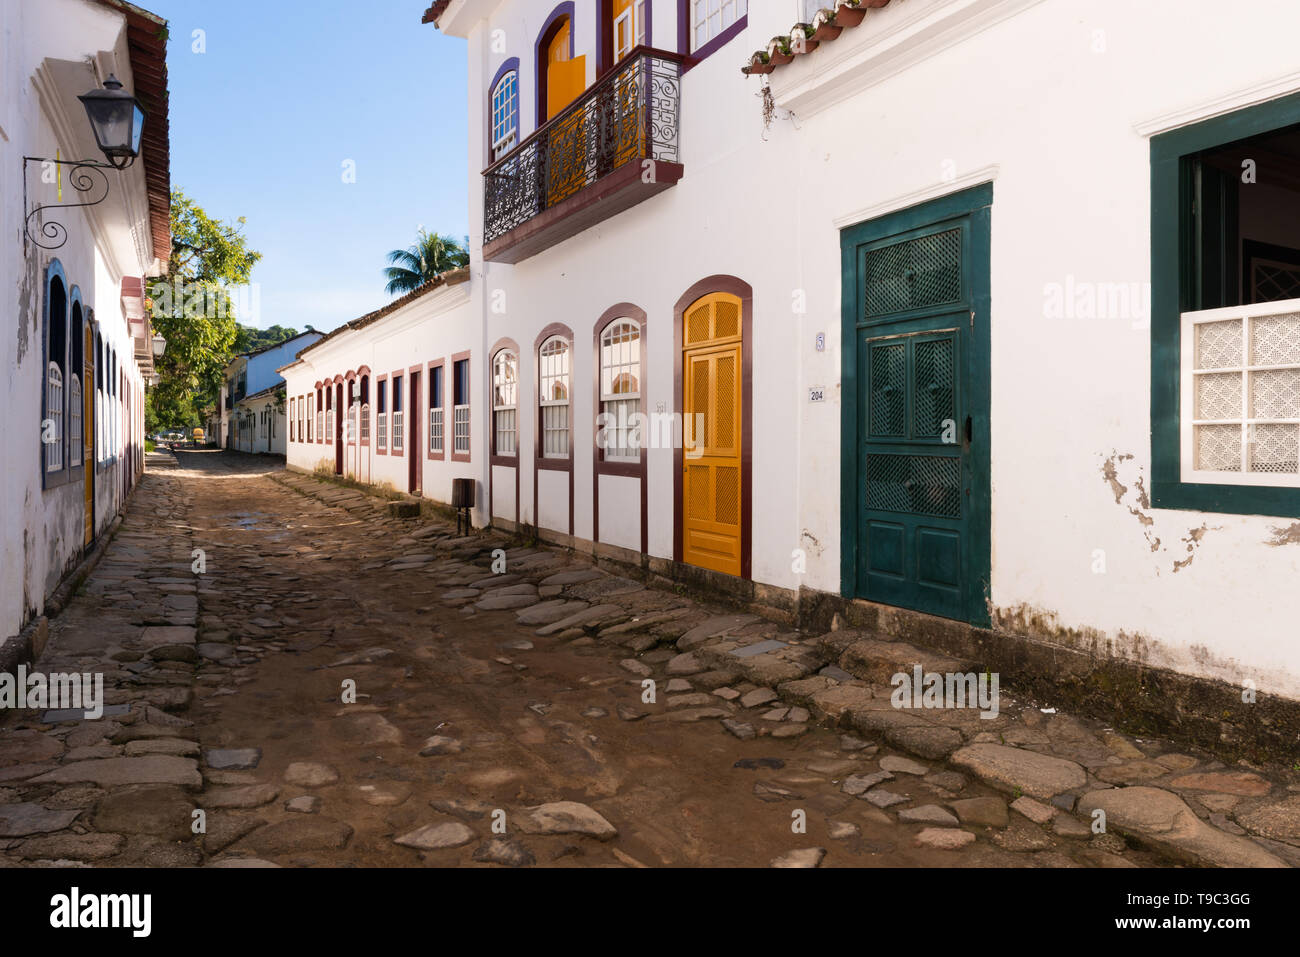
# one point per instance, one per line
(801, 39)
(825, 27)
(758, 63)
(778, 51)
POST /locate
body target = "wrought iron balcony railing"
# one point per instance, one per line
(629, 116)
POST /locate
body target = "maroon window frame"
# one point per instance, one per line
(456, 365)
(441, 365)
(381, 398)
(684, 36)
(540, 461)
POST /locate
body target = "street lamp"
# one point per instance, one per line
(159, 345)
(117, 119)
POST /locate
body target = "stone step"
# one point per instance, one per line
(877, 660)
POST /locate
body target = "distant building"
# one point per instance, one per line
(252, 407)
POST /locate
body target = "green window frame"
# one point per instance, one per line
(1173, 292)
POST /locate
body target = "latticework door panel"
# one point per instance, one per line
(913, 274)
(712, 492)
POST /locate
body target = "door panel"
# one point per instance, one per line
(915, 489)
(712, 505)
(913, 469)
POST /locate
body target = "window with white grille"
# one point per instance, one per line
(553, 397)
(365, 423)
(710, 17)
(1241, 395)
(436, 438)
(505, 403)
(395, 421)
(74, 421)
(505, 115)
(329, 423)
(620, 390)
(460, 423)
(629, 29)
(53, 437)
(435, 431)
(460, 407)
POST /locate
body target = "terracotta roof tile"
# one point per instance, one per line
(146, 38)
(804, 38)
(435, 11)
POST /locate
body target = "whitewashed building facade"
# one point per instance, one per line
(989, 309)
(77, 336)
(253, 405)
(386, 399)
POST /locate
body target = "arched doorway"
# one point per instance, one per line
(561, 76)
(714, 506)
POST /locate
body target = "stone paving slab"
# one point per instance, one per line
(363, 690)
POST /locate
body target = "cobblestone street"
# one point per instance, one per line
(500, 719)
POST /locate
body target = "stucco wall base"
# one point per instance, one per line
(25, 647)
(1133, 696)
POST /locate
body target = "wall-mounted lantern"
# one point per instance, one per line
(117, 121)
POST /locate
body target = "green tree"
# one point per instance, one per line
(248, 339)
(430, 257)
(194, 311)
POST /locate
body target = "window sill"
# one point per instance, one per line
(1227, 499)
(713, 46)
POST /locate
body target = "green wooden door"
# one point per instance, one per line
(918, 536)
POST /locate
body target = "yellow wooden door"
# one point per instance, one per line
(88, 428)
(712, 503)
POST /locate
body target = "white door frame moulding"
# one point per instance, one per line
(977, 177)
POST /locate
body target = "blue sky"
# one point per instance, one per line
(287, 90)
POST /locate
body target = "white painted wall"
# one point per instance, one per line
(47, 51)
(438, 325)
(1044, 99)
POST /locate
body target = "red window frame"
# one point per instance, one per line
(381, 385)
(442, 398)
(466, 358)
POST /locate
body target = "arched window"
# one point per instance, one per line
(505, 111)
(56, 354)
(505, 403)
(365, 410)
(320, 416)
(329, 414)
(76, 420)
(354, 404)
(553, 397)
(620, 390)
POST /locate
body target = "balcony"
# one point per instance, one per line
(588, 163)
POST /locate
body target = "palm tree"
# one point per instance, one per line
(430, 257)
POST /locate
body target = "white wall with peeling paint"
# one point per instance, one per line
(50, 51)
